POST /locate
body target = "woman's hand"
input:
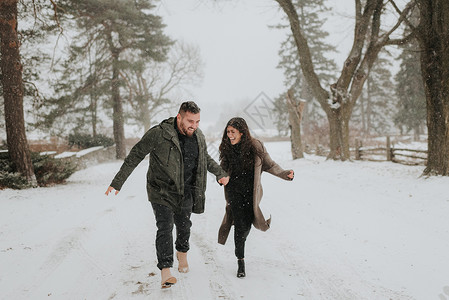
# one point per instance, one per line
(291, 175)
(224, 180)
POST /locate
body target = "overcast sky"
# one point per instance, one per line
(239, 49)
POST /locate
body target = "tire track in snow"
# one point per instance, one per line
(289, 268)
(125, 263)
(217, 282)
(322, 283)
(316, 285)
(71, 243)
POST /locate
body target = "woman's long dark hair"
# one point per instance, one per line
(247, 149)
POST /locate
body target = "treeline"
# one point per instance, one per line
(115, 63)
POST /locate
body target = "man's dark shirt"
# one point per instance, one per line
(189, 148)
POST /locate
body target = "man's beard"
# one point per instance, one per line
(186, 132)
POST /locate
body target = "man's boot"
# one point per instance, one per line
(183, 265)
(167, 279)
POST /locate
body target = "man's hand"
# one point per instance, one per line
(110, 189)
(224, 180)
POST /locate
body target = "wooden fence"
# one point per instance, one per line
(390, 153)
(82, 159)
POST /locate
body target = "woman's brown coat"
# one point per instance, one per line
(260, 165)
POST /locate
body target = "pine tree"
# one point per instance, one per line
(81, 89)
(410, 91)
(311, 18)
(38, 22)
(119, 29)
(310, 13)
(13, 92)
(373, 113)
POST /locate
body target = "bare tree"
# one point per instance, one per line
(338, 101)
(12, 84)
(153, 86)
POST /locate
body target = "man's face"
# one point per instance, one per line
(188, 122)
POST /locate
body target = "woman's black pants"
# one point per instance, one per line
(243, 214)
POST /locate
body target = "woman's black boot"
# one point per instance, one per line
(241, 269)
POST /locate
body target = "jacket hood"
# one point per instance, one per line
(169, 125)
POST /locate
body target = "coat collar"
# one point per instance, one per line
(170, 132)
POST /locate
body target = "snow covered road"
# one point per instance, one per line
(352, 230)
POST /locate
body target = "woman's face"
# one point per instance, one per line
(234, 135)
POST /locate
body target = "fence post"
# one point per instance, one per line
(389, 152)
(357, 149)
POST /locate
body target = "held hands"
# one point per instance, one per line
(110, 189)
(224, 180)
(291, 175)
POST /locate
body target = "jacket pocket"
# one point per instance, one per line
(168, 155)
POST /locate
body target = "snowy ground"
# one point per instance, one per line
(340, 230)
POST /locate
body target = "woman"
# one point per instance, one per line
(244, 158)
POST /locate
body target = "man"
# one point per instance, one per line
(176, 182)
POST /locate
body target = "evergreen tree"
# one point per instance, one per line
(119, 30)
(374, 112)
(310, 14)
(410, 92)
(281, 111)
(83, 86)
(38, 24)
(13, 92)
(18, 73)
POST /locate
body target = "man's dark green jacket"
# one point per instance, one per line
(165, 176)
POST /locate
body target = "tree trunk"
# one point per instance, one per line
(363, 115)
(339, 141)
(433, 37)
(93, 112)
(416, 133)
(117, 114)
(368, 110)
(13, 91)
(94, 115)
(93, 99)
(295, 109)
